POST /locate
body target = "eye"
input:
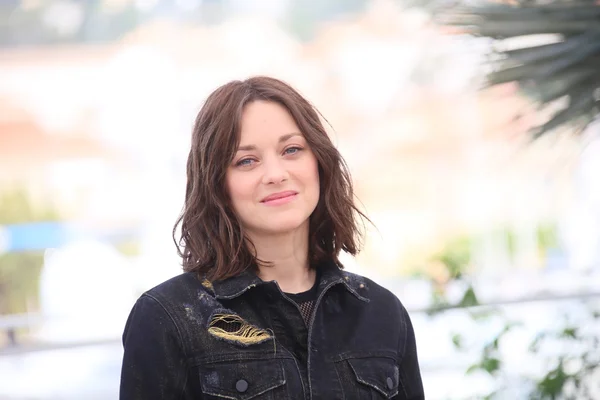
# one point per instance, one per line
(292, 150)
(244, 162)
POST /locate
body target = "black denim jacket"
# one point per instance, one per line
(243, 338)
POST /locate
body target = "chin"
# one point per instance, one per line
(282, 225)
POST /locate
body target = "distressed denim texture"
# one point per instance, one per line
(181, 342)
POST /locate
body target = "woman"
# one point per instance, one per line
(264, 309)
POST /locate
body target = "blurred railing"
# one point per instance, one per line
(10, 323)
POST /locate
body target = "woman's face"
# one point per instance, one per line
(273, 181)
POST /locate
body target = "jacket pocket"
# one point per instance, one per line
(368, 377)
(244, 380)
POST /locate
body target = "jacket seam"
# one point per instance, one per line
(353, 355)
(340, 381)
(405, 325)
(403, 315)
(180, 339)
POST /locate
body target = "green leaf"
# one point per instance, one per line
(534, 347)
(553, 383)
(495, 343)
(490, 365)
(472, 369)
(490, 396)
(569, 333)
(510, 325)
(469, 298)
(457, 341)
(480, 315)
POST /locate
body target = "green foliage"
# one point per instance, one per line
(511, 242)
(547, 236)
(581, 350)
(456, 256)
(554, 381)
(16, 207)
(19, 281)
(129, 248)
(457, 341)
(304, 21)
(557, 382)
(490, 360)
(561, 382)
(469, 299)
(20, 272)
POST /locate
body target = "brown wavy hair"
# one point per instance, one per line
(212, 241)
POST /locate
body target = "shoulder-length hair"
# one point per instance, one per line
(212, 241)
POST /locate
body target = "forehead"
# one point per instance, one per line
(266, 118)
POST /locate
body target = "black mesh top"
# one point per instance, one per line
(306, 300)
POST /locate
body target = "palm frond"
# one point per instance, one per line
(552, 50)
(546, 92)
(564, 61)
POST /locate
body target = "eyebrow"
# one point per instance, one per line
(281, 140)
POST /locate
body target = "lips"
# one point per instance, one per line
(277, 196)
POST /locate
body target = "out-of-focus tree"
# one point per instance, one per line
(549, 49)
(20, 271)
(303, 20)
(48, 22)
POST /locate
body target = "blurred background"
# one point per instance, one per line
(491, 241)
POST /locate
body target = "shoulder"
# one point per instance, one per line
(173, 295)
(369, 287)
(181, 287)
(173, 300)
(374, 292)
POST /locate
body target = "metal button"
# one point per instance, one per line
(390, 383)
(241, 386)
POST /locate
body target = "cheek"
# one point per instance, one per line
(232, 190)
(311, 179)
(239, 189)
(314, 176)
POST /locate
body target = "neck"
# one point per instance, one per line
(288, 258)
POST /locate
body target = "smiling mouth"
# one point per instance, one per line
(279, 198)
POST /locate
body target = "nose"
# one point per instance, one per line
(274, 171)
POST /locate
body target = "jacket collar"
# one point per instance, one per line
(331, 275)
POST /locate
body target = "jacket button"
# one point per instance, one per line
(241, 385)
(390, 383)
